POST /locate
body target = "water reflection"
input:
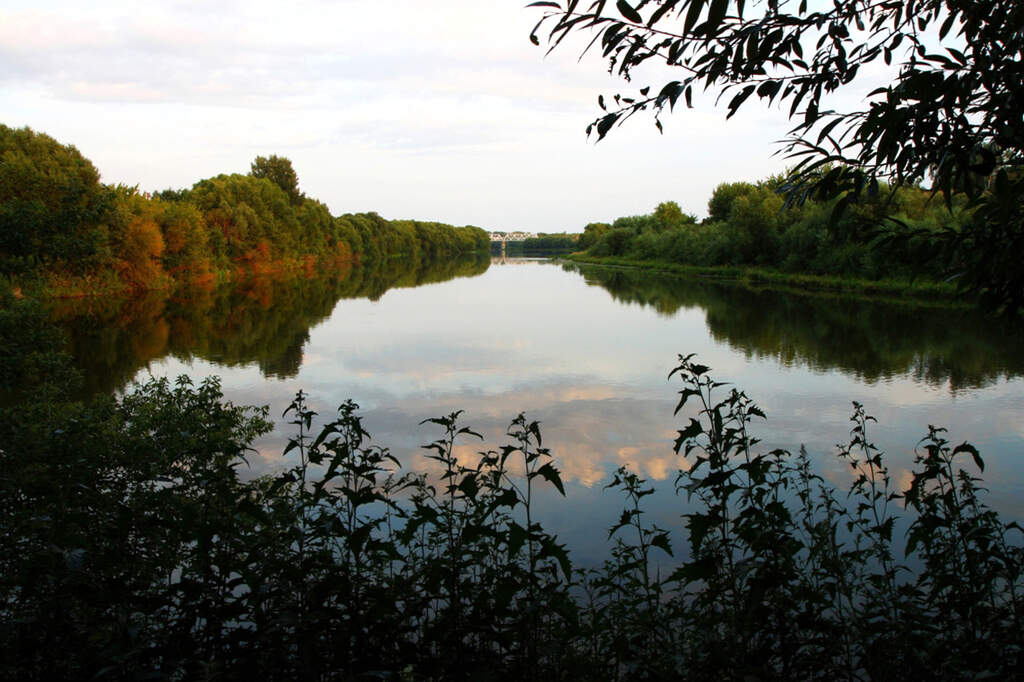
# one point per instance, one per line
(266, 322)
(868, 339)
(263, 321)
(588, 357)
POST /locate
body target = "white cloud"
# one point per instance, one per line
(438, 110)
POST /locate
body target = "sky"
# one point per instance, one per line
(439, 110)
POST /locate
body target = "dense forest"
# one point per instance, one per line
(64, 232)
(751, 224)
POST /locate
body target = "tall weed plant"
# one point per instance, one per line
(132, 549)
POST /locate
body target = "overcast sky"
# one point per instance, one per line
(439, 110)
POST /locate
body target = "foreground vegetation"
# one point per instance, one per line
(133, 548)
(63, 232)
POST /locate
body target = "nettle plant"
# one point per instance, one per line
(136, 550)
(786, 579)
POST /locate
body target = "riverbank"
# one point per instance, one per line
(107, 284)
(900, 289)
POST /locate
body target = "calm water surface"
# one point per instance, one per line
(586, 351)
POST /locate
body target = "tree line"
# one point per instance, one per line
(750, 224)
(64, 230)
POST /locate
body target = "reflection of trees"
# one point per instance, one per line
(263, 320)
(872, 340)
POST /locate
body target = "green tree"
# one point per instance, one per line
(951, 115)
(755, 217)
(250, 218)
(52, 205)
(669, 216)
(278, 170)
(616, 241)
(591, 233)
(722, 199)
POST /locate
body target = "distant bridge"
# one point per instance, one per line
(512, 236)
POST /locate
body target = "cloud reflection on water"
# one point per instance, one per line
(589, 358)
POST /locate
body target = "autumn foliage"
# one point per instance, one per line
(68, 232)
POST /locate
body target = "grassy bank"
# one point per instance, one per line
(920, 289)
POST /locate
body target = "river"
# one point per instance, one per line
(586, 351)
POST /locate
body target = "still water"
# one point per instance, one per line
(586, 351)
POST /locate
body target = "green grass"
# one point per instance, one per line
(919, 289)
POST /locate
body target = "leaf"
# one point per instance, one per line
(605, 124)
(468, 486)
(358, 539)
(516, 538)
(550, 548)
(627, 11)
(551, 475)
(663, 9)
(946, 25)
(624, 521)
(691, 431)
(973, 451)
(662, 542)
(769, 89)
(739, 99)
(837, 211)
(828, 128)
(440, 421)
(885, 529)
(715, 16)
(692, 15)
(694, 571)
(685, 395)
(534, 428)
(468, 431)
(507, 498)
(915, 536)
